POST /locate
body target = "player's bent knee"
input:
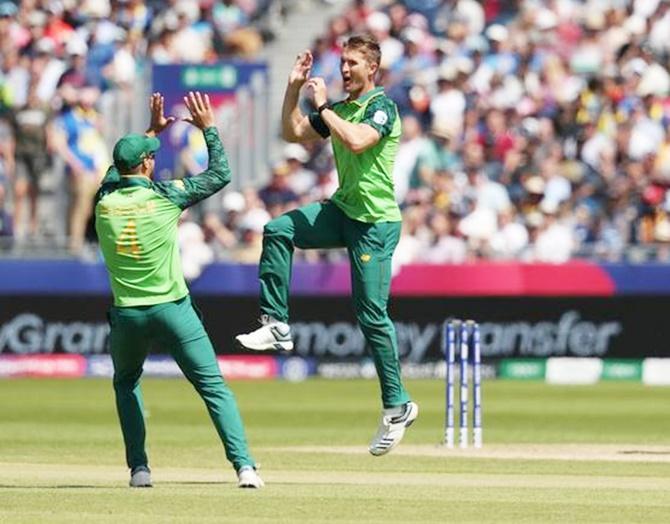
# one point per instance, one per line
(280, 226)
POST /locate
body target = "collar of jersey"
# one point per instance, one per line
(135, 181)
(373, 92)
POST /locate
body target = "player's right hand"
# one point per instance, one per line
(158, 119)
(301, 69)
(202, 115)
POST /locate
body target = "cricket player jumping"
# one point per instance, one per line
(362, 216)
(136, 221)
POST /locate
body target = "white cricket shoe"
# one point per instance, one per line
(248, 477)
(392, 427)
(271, 335)
(140, 477)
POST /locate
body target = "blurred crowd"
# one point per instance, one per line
(63, 61)
(532, 130)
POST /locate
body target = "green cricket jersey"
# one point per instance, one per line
(136, 221)
(366, 190)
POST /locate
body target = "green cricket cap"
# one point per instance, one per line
(131, 149)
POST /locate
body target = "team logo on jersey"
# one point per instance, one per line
(365, 258)
(380, 117)
(179, 184)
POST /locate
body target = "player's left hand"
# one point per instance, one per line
(317, 91)
(202, 114)
(158, 120)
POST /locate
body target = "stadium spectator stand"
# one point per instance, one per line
(533, 130)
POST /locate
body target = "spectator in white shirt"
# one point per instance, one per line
(554, 243)
(511, 238)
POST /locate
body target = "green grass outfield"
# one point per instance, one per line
(551, 454)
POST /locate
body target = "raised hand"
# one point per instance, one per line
(202, 115)
(158, 120)
(301, 69)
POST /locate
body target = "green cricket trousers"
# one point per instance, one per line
(370, 247)
(177, 328)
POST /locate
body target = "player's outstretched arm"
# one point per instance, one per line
(158, 119)
(295, 125)
(190, 190)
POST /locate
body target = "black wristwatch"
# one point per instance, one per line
(323, 106)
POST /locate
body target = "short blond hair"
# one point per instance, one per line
(366, 44)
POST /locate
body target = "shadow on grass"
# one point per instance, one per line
(92, 486)
(59, 486)
(643, 452)
(195, 483)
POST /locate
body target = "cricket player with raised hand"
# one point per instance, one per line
(362, 216)
(136, 221)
